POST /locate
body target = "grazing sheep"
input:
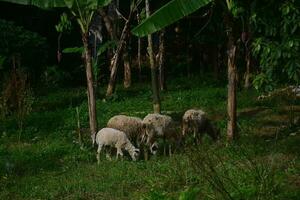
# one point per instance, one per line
(159, 126)
(132, 126)
(196, 121)
(115, 138)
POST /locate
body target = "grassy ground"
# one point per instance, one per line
(49, 164)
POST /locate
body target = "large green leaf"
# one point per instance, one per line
(45, 4)
(168, 14)
(105, 46)
(103, 2)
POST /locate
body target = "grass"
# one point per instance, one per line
(48, 163)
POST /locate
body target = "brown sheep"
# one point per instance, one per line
(159, 126)
(196, 122)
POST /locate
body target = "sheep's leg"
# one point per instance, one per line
(170, 150)
(108, 153)
(98, 153)
(119, 152)
(195, 136)
(146, 156)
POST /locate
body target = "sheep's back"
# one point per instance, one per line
(130, 125)
(110, 136)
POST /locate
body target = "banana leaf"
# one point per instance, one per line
(168, 14)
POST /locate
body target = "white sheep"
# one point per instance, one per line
(131, 126)
(159, 126)
(115, 138)
(196, 121)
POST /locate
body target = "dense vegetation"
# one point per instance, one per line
(236, 60)
(49, 162)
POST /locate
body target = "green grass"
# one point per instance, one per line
(49, 164)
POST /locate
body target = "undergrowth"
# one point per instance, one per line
(48, 162)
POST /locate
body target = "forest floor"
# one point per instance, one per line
(48, 163)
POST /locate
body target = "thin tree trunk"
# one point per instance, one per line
(90, 86)
(247, 74)
(127, 70)
(154, 78)
(108, 23)
(114, 63)
(232, 74)
(161, 62)
(139, 51)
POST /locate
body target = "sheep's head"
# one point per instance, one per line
(148, 137)
(149, 133)
(135, 154)
(154, 148)
(186, 127)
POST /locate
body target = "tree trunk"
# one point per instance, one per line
(127, 71)
(114, 63)
(90, 86)
(139, 51)
(161, 61)
(232, 74)
(247, 73)
(154, 78)
(108, 23)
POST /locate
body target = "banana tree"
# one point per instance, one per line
(83, 11)
(177, 9)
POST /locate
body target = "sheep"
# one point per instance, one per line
(159, 126)
(131, 126)
(196, 121)
(115, 138)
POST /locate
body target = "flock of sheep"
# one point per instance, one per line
(125, 132)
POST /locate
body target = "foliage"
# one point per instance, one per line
(53, 76)
(277, 43)
(39, 3)
(79, 50)
(64, 24)
(168, 14)
(15, 40)
(224, 173)
(17, 98)
(84, 11)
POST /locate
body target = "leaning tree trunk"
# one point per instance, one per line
(90, 85)
(232, 74)
(114, 63)
(246, 40)
(154, 78)
(161, 61)
(127, 70)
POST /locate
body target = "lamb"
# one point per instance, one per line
(196, 121)
(131, 126)
(159, 126)
(115, 138)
